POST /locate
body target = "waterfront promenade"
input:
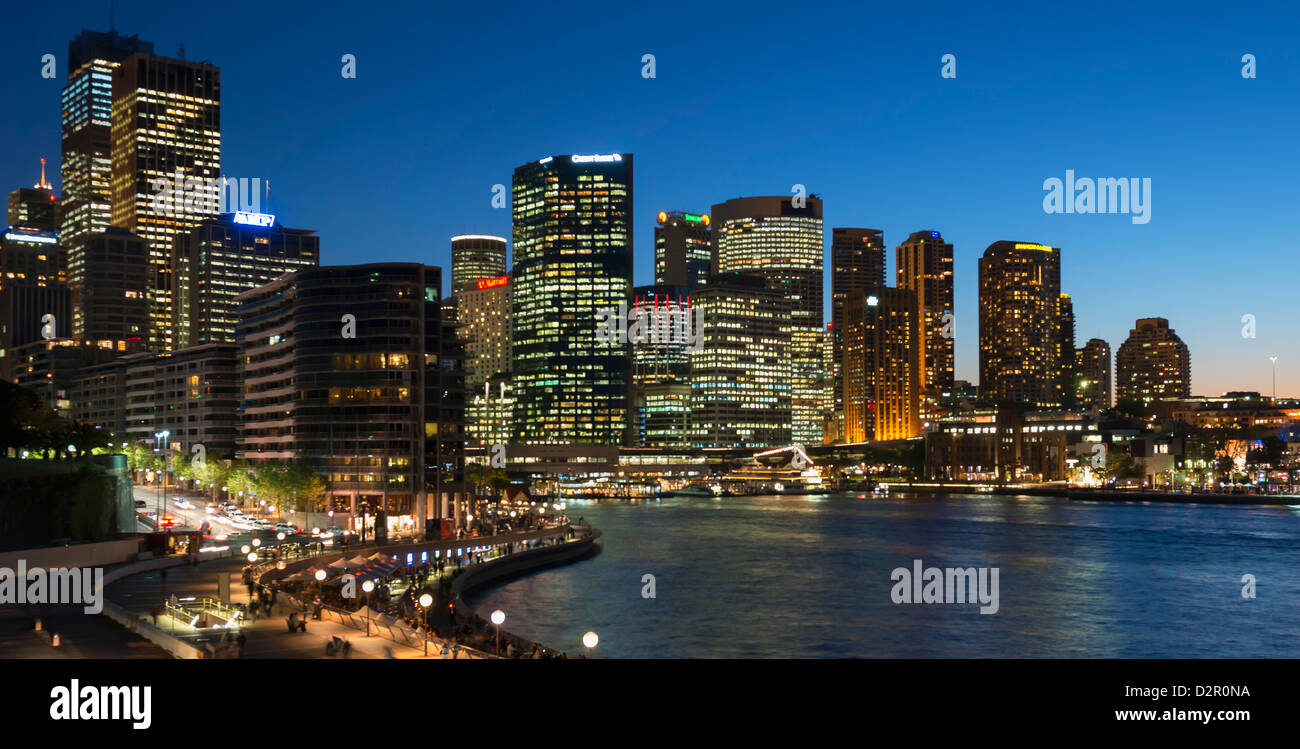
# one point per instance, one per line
(136, 596)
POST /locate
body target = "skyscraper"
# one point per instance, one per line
(483, 311)
(87, 101)
(740, 375)
(572, 261)
(34, 207)
(858, 264)
(1065, 350)
(773, 238)
(109, 281)
(924, 265)
(1092, 378)
(475, 257)
(660, 365)
(1152, 363)
(220, 257)
(1020, 324)
(683, 249)
(882, 373)
(166, 150)
(34, 304)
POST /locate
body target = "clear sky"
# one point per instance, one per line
(751, 98)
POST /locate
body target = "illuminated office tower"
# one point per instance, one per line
(771, 238)
(219, 258)
(1092, 379)
(683, 249)
(740, 375)
(109, 282)
(489, 412)
(483, 311)
(475, 257)
(882, 374)
(572, 261)
(858, 264)
(1065, 350)
(1020, 324)
(166, 136)
(35, 207)
(87, 103)
(660, 364)
(34, 304)
(1152, 363)
(924, 265)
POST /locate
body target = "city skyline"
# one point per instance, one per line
(694, 153)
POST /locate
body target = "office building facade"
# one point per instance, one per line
(166, 151)
(475, 257)
(221, 257)
(572, 264)
(924, 265)
(881, 367)
(780, 239)
(683, 249)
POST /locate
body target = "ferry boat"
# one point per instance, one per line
(696, 490)
(755, 479)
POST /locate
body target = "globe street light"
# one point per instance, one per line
(589, 640)
(498, 617)
(369, 587)
(425, 602)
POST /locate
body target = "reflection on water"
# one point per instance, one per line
(810, 577)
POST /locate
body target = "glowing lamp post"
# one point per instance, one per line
(425, 602)
(498, 617)
(369, 587)
(589, 641)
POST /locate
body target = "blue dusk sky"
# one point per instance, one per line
(751, 98)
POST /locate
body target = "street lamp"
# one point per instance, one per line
(589, 641)
(425, 602)
(498, 617)
(1274, 360)
(369, 587)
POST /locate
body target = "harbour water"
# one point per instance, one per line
(811, 577)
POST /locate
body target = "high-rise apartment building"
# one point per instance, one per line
(683, 249)
(374, 401)
(1153, 363)
(881, 368)
(475, 257)
(780, 239)
(572, 263)
(1020, 324)
(166, 175)
(1092, 378)
(857, 264)
(1065, 350)
(924, 265)
(221, 257)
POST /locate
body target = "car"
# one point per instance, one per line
(141, 503)
(183, 503)
(167, 521)
(286, 528)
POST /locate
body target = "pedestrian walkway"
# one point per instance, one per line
(265, 637)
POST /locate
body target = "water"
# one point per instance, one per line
(811, 577)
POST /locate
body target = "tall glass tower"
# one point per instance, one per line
(572, 261)
(779, 239)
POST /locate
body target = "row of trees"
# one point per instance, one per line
(27, 424)
(288, 485)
